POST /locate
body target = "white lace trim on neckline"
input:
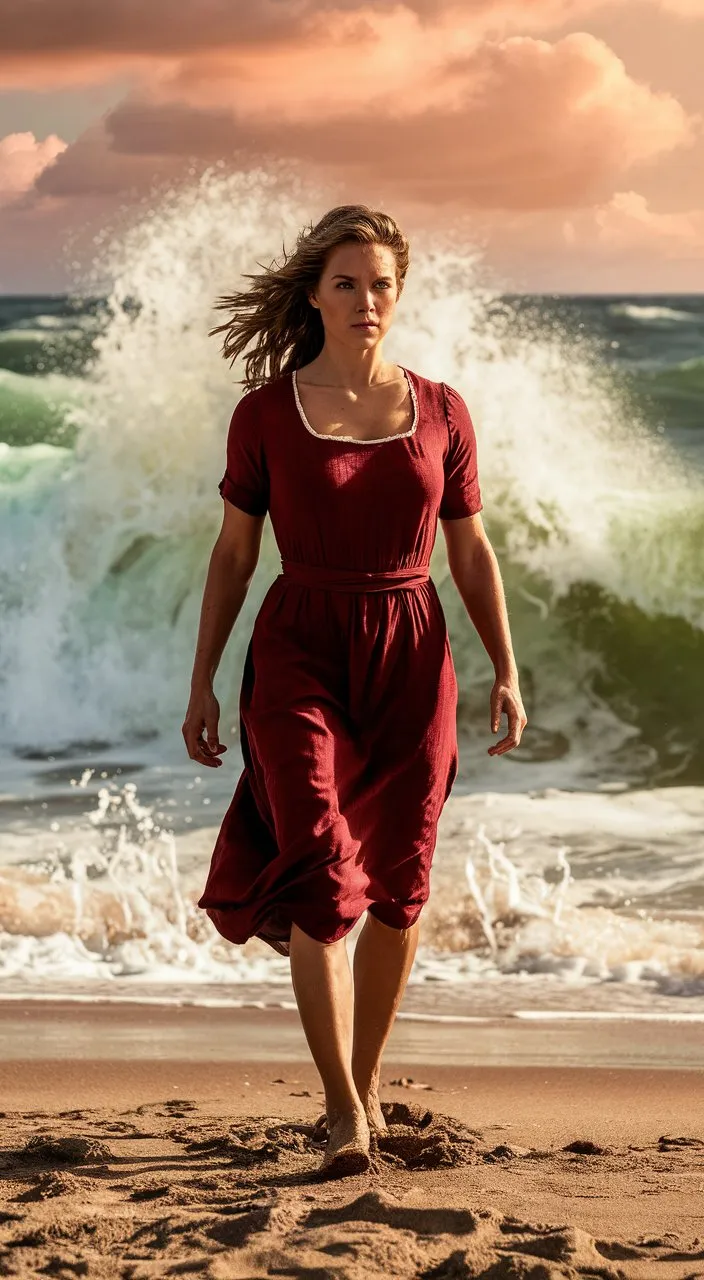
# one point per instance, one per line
(401, 435)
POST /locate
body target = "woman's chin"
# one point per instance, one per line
(367, 335)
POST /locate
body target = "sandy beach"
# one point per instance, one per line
(134, 1162)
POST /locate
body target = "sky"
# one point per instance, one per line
(566, 137)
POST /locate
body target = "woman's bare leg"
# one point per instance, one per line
(382, 962)
(322, 983)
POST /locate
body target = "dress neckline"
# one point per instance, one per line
(399, 435)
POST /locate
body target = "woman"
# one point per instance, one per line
(349, 694)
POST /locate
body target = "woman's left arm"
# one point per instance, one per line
(476, 574)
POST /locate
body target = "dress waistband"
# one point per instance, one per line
(313, 575)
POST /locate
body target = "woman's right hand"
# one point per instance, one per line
(203, 713)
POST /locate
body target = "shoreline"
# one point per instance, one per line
(209, 1002)
(118, 1031)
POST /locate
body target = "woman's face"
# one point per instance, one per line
(358, 284)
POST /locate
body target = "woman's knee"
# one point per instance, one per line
(302, 936)
(393, 917)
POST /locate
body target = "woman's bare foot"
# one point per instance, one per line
(375, 1118)
(347, 1148)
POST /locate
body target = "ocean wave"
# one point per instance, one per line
(21, 333)
(684, 378)
(33, 351)
(50, 324)
(650, 314)
(37, 410)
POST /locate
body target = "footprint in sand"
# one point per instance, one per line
(50, 1185)
(416, 1138)
(670, 1144)
(49, 1150)
(169, 1108)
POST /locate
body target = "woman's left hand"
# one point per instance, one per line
(505, 696)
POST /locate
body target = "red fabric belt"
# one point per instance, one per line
(313, 575)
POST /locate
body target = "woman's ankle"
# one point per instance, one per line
(367, 1082)
(343, 1109)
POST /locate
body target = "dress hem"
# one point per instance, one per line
(281, 943)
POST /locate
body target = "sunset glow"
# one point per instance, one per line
(557, 130)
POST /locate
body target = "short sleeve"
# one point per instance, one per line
(461, 493)
(246, 480)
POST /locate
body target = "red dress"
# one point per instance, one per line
(349, 694)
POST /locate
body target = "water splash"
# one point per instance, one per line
(110, 907)
(114, 905)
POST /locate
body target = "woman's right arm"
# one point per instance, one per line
(232, 563)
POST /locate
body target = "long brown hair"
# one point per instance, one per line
(275, 315)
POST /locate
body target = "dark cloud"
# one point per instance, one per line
(175, 129)
(162, 28)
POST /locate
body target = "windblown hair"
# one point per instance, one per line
(275, 318)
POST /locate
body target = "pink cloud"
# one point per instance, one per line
(627, 225)
(22, 159)
(519, 124)
(622, 243)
